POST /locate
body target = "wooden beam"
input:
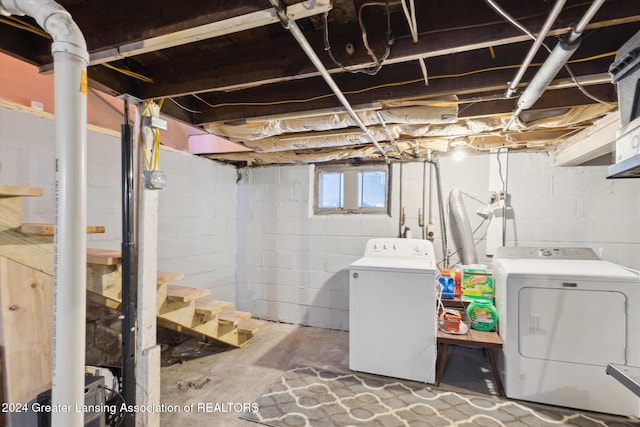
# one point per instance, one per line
(459, 74)
(590, 143)
(282, 60)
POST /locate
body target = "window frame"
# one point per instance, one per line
(350, 190)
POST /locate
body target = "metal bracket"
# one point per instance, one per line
(281, 10)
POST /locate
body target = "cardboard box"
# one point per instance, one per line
(477, 283)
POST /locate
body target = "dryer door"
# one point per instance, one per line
(572, 325)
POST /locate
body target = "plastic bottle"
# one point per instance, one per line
(482, 314)
(457, 281)
(447, 284)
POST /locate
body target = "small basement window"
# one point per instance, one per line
(346, 189)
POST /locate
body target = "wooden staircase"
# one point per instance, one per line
(181, 308)
(26, 300)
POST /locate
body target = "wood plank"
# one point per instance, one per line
(590, 143)
(26, 297)
(166, 277)
(211, 307)
(103, 256)
(16, 190)
(232, 317)
(48, 229)
(251, 325)
(176, 293)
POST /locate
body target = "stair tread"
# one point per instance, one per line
(104, 256)
(48, 229)
(251, 325)
(212, 306)
(185, 293)
(233, 316)
(17, 190)
(166, 277)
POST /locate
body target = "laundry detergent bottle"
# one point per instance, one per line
(482, 314)
(447, 284)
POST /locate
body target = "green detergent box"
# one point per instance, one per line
(477, 282)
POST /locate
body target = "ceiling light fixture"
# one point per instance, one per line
(458, 151)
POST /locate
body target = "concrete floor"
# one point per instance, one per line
(232, 376)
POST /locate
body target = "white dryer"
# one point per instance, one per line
(564, 315)
(392, 303)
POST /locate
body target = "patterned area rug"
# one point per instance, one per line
(315, 398)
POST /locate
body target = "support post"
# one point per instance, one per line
(147, 350)
(128, 272)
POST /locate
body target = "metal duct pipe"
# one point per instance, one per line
(467, 246)
(291, 25)
(553, 15)
(70, 248)
(556, 60)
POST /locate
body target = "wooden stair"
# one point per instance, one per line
(181, 308)
(48, 229)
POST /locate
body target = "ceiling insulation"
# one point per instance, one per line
(411, 140)
(431, 112)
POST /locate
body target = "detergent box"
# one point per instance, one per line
(477, 281)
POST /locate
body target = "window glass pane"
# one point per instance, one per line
(331, 190)
(372, 189)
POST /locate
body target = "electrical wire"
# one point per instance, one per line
(10, 20)
(522, 28)
(385, 85)
(377, 62)
(183, 107)
(128, 73)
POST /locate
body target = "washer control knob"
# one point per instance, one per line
(356, 275)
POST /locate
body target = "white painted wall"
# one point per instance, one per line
(293, 266)
(197, 209)
(574, 206)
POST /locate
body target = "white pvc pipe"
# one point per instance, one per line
(70, 249)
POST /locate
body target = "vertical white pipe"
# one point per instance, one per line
(70, 248)
(70, 292)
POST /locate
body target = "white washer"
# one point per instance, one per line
(392, 303)
(564, 315)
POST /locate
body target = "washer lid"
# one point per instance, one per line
(378, 263)
(604, 271)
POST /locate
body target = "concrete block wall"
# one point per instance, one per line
(197, 210)
(574, 206)
(293, 265)
(197, 222)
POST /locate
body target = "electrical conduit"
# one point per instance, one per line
(70, 257)
(292, 26)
